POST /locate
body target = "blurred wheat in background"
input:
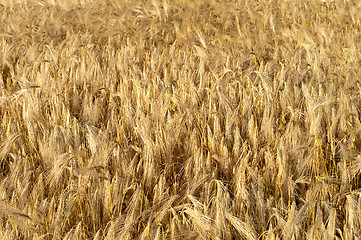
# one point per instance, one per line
(170, 119)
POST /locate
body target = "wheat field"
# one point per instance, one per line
(180, 119)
